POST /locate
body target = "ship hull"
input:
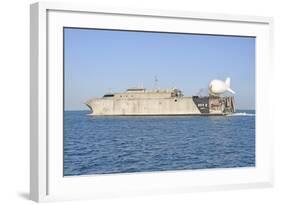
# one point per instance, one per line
(183, 106)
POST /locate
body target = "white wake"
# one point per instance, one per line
(242, 114)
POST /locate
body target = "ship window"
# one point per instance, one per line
(108, 95)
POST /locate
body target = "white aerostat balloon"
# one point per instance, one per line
(217, 87)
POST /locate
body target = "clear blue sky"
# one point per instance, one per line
(97, 61)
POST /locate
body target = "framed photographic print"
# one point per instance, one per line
(127, 102)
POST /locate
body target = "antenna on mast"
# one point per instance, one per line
(156, 82)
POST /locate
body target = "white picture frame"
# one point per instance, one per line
(46, 179)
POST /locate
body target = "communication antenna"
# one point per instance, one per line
(174, 85)
(155, 82)
(110, 90)
(140, 85)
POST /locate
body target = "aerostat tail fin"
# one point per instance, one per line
(227, 82)
(230, 90)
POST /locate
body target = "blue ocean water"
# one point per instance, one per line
(100, 145)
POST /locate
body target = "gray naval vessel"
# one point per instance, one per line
(139, 101)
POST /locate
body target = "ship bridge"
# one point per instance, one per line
(136, 90)
(136, 93)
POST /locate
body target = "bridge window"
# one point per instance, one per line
(108, 95)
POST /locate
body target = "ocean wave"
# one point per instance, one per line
(242, 114)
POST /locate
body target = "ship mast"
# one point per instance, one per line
(156, 82)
